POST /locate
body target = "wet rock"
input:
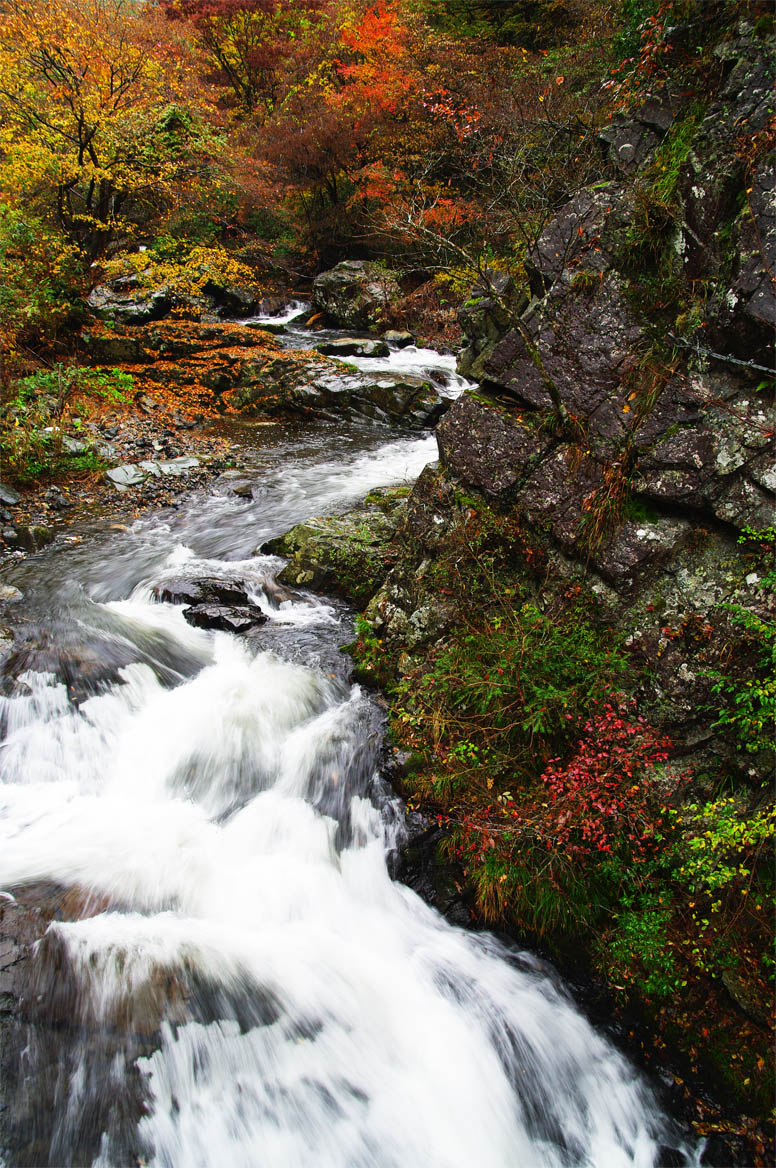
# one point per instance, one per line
(355, 293)
(638, 548)
(30, 537)
(234, 482)
(230, 619)
(353, 347)
(574, 237)
(346, 554)
(9, 594)
(558, 495)
(586, 344)
(727, 232)
(632, 137)
(271, 327)
(294, 383)
(485, 318)
(744, 504)
(231, 299)
(211, 590)
(8, 496)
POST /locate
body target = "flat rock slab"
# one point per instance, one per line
(131, 474)
(225, 618)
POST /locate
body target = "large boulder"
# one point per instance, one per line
(122, 302)
(355, 293)
(127, 300)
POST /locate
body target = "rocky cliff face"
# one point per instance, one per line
(616, 460)
(666, 454)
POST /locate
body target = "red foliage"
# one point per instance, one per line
(601, 800)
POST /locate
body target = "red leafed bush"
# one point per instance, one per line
(604, 798)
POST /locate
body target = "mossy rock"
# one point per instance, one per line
(350, 554)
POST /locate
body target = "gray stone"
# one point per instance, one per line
(201, 590)
(9, 594)
(745, 504)
(231, 300)
(586, 343)
(112, 304)
(30, 537)
(8, 496)
(488, 447)
(288, 383)
(630, 142)
(347, 554)
(641, 548)
(399, 338)
(178, 466)
(128, 475)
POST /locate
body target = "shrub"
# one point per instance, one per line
(31, 440)
(41, 281)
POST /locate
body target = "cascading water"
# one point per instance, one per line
(243, 984)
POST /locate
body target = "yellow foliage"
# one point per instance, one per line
(185, 277)
(97, 112)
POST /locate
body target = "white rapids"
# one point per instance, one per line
(222, 806)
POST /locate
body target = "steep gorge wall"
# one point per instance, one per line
(639, 490)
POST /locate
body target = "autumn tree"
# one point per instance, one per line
(256, 50)
(99, 126)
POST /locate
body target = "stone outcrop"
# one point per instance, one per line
(125, 300)
(232, 368)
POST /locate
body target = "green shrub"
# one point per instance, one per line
(41, 282)
(31, 438)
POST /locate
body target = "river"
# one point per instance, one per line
(243, 983)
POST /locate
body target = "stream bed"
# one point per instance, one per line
(230, 977)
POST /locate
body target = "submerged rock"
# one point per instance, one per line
(29, 537)
(226, 618)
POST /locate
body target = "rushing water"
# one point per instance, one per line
(246, 985)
